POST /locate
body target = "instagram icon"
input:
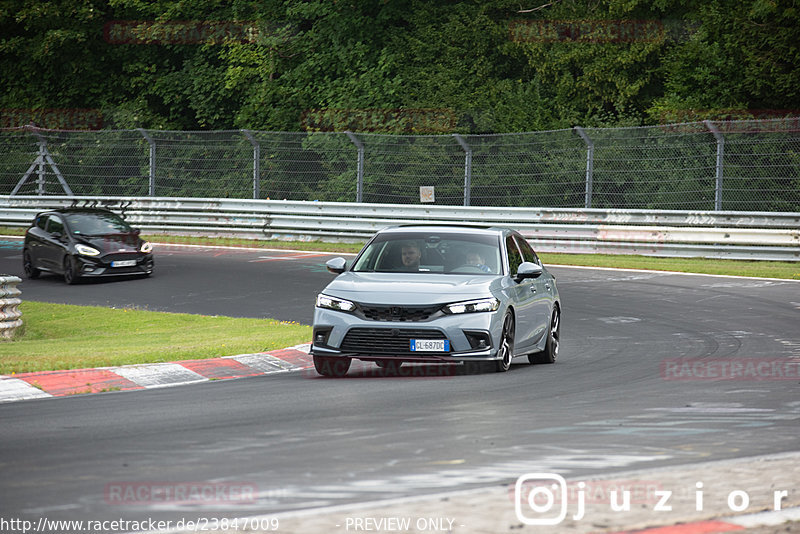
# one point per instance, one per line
(540, 491)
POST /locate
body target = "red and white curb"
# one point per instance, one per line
(729, 524)
(46, 384)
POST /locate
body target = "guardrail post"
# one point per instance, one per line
(360, 167)
(152, 187)
(256, 163)
(10, 316)
(467, 168)
(720, 155)
(589, 166)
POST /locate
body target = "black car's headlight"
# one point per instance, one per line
(86, 250)
(473, 306)
(333, 303)
(146, 248)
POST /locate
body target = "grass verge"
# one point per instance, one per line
(60, 336)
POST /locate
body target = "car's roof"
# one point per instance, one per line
(67, 211)
(450, 228)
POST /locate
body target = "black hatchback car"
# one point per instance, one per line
(84, 242)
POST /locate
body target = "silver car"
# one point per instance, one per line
(443, 294)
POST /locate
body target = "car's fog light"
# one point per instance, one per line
(321, 335)
(478, 340)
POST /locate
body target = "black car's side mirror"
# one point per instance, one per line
(528, 270)
(336, 265)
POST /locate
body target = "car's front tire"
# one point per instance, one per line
(506, 351)
(71, 275)
(550, 352)
(27, 265)
(332, 367)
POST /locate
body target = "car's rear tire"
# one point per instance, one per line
(506, 350)
(27, 265)
(332, 367)
(71, 275)
(550, 352)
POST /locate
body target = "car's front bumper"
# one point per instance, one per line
(89, 266)
(472, 337)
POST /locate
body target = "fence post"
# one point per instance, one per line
(589, 166)
(152, 187)
(467, 168)
(360, 167)
(720, 155)
(256, 164)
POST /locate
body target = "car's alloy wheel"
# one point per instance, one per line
(550, 352)
(70, 271)
(27, 264)
(333, 367)
(506, 351)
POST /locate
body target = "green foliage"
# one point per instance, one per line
(611, 62)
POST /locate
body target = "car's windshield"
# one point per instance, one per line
(446, 253)
(97, 224)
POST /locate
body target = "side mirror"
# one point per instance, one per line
(136, 231)
(57, 235)
(336, 265)
(528, 270)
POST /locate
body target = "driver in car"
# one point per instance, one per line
(475, 259)
(411, 256)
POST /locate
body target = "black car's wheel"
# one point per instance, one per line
(333, 367)
(550, 352)
(506, 351)
(27, 264)
(71, 275)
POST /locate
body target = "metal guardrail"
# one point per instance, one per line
(717, 234)
(10, 316)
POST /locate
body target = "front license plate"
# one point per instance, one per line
(123, 263)
(430, 345)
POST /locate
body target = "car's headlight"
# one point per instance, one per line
(86, 250)
(332, 303)
(146, 247)
(472, 306)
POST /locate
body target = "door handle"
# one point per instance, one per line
(533, 289)
(547, 286)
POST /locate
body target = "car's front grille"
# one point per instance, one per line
(399, 313)
(121, 256)
(386, 340)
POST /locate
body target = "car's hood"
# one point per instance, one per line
(112, 243)
(411, 289)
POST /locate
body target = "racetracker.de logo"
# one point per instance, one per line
(119, 32)
(730, 369)
(137, 493)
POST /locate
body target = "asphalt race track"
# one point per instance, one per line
(616, 400)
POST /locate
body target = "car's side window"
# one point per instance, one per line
(55, 224)
(514, 256)
(527, 251)
(41, 221)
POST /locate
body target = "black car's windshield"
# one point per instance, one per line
(96, 224)
(446, 253)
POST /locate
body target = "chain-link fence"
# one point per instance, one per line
(731, 165)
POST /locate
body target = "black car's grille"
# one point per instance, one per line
(121, 256)
(399, 313)
(385, 340)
